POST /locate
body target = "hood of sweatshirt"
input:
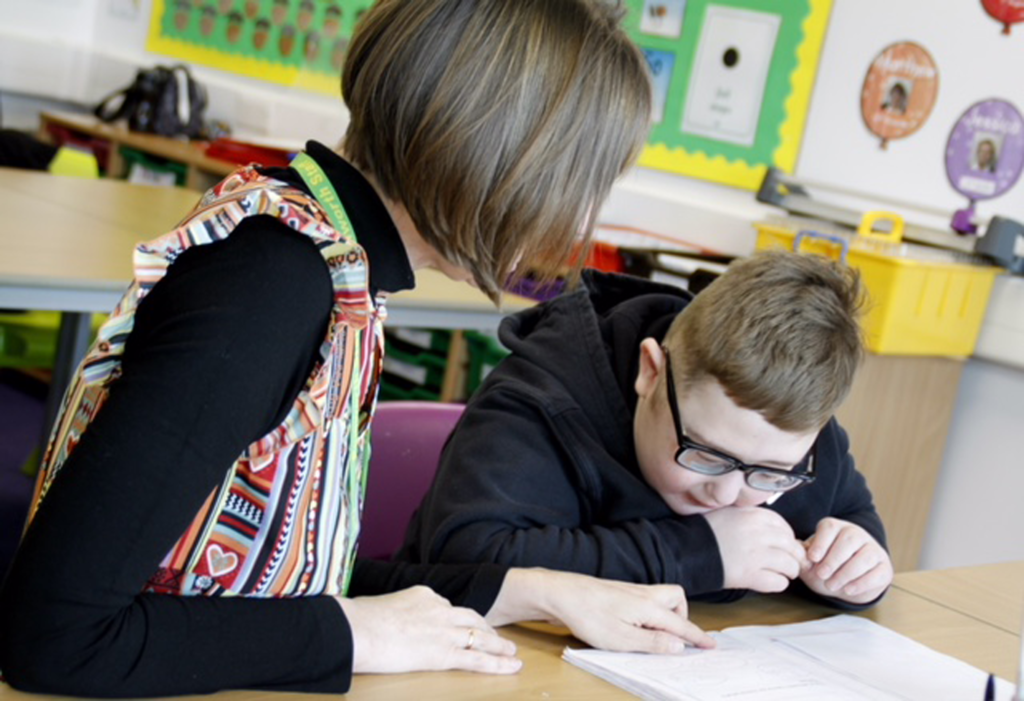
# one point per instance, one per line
(586, 343)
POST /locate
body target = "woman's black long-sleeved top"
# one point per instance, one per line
(201, 380)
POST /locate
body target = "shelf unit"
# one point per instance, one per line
(202, 172)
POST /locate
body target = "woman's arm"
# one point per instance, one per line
(605, 614)
(220, 348)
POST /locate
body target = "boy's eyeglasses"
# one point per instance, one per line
(708, 461)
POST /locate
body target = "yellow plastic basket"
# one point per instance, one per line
(923, 301)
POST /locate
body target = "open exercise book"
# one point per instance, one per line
(842, 658)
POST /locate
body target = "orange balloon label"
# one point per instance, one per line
(899, 91)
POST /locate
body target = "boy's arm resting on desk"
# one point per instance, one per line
(519, 486)
(197, 386)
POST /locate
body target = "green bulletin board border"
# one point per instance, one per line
(786, 96)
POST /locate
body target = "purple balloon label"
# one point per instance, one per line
(985, 151)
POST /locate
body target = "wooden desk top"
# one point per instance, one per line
(75, 232)
(78, 234)
(991, 593)
(942, 628)
(546, 676)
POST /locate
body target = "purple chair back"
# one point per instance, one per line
(407, 440)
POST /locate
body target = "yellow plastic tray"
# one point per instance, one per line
(922, 301)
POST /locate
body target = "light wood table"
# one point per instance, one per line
(66, 245)
(941, 626)
(990, 593)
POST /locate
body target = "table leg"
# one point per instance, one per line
(72, 342)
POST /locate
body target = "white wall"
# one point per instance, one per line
(44, 44)
(978, 516)
(975, 62)
(81, 50)
(57, 21)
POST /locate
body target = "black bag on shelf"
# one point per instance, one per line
(163, 100)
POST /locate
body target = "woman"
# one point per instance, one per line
(196, 518)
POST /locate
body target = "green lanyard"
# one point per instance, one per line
(320, 185)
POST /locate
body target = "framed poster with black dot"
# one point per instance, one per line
(732, 83)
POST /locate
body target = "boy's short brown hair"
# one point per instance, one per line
(778, 331)
(500, 125)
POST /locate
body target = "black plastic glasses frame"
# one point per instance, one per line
(801, 474)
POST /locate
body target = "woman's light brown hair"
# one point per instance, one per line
(779, 332)
(500, 125)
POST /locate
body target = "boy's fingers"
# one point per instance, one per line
(822, 539)
(844, 546)
(768, 582)
(856, 565)
(874, 581)
(787, 561)
(863, 561)
(799, 553)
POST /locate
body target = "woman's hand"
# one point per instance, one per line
(416, 630)
(603, 613)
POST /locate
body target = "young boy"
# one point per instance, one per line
(635, 431)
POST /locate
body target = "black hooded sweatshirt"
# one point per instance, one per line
(542, 471)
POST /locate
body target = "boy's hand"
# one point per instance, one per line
(759, 550)
(846, 563)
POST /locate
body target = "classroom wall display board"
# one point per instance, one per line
(899, 91)
(732, 83)
(300, 43)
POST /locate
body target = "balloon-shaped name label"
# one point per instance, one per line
(899, 91)
(1009, 12)
(984, 155)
